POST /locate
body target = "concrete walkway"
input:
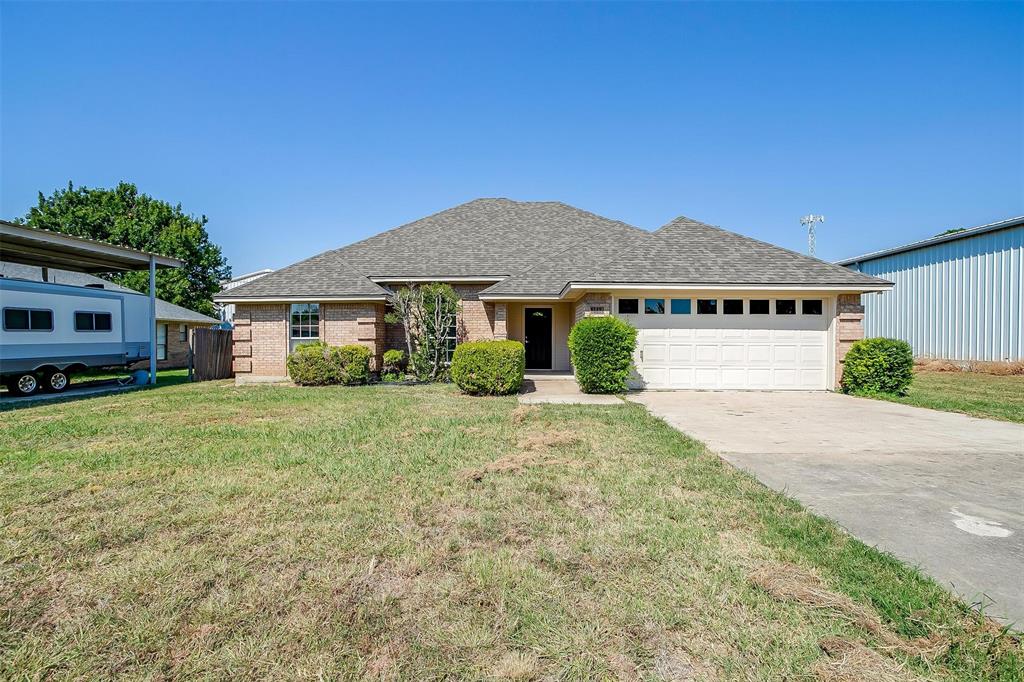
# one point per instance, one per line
(561, 389)
(940, 490)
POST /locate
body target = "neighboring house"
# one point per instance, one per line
(958, 296)
(226, 311)
(174, 324)
(714, 309)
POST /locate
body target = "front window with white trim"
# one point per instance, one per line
(305, 324)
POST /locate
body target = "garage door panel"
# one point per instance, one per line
(734, 354)
(759, 377)
(680, 352)
(655, 352)
(734, 377)
(681, 377)
(705, 377)
(760, 354)
(812, 355)
(706, 352)
(784, 354)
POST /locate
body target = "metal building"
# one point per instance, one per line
(958, 296)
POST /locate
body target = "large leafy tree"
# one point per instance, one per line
(126, 217)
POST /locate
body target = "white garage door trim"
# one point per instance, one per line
(733, 352)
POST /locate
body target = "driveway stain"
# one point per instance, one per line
(975, 525)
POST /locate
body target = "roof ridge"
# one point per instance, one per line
(803, 256)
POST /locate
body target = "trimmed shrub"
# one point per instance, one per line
(354, 361)
(394, 361)
(489, 367)
(317, 364)
(878, 366)
(602, 353)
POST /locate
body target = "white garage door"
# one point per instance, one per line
(713, 350)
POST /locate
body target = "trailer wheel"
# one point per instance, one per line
(57, 381)
(23, 384)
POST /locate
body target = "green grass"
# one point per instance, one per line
(980, 395)
(208, 530)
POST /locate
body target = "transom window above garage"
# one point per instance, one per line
(810, 306)
(629, 306)
(707, 306)
(732, 306)
(760, 306)
(654, 306)
(785, 306)
(680, 306)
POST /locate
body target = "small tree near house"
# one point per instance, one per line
(428, 315)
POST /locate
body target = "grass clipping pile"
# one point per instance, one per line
(846, 659)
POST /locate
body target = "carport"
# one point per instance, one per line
(46, 249)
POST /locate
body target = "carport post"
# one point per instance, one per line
(152, 319)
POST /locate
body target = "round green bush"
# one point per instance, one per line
(489, 367)
(878, 366)
(317, 364)
(602, 353)
(394, 361)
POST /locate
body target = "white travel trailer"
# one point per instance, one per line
(51, 330)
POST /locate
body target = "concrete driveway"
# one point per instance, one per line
(940, 490)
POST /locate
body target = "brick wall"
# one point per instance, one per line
(849, 328)
(476, 317)
(260, 340)
(177, 350)
(342, 324)
(593, 304)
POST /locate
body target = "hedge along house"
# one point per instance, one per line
(714, 309)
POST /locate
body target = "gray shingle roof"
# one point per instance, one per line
(691, 252)
(165, 310)
(538, 248)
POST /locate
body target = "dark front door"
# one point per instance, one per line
(538, 338)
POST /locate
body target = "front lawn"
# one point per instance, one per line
(415, 533)
(973, 393)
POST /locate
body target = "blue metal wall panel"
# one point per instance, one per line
(959, 300)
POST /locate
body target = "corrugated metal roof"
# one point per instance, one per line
(962, 234)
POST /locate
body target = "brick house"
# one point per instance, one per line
(713, 309)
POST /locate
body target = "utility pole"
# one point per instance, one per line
(809, 222)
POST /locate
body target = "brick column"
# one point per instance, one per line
(501, 321)
(849, 328)
(260, 340)
(593, 305)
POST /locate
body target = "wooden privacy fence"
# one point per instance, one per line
(211, 354)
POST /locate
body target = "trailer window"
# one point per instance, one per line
(92, 322)
(28, 320)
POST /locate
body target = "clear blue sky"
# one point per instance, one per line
(301, 127)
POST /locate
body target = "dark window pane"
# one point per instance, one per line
(707, 306)
(42, 320)
(654, 306)
(759, 306)
(103, 322)
(680, 306)
(83, 322)
(629, 306)
(15, 319)
(785, 306)
(811, 306)
(732, 306)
